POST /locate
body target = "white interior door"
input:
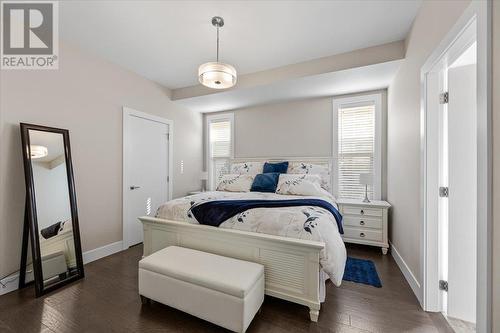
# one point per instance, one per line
(462, 177)
(146, 182)
(465, 116)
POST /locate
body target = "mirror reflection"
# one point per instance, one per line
(53, 209)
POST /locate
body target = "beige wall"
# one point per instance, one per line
(496, 166)
(302, 128)
(433, 21)
(86, 96)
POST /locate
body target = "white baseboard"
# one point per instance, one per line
(407, 273)
(102, 252)
(11, 282)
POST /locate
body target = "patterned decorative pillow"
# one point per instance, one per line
(323, 171)
(300, 184)
(251, 168)
(235, 183)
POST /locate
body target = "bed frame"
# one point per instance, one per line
(292, 269)
(62, 242)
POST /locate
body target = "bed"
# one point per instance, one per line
(57, 251)
(300, 247)
(62, 242)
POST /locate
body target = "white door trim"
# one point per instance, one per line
(478, 12)
(127, 112)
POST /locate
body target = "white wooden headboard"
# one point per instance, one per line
(326, 162)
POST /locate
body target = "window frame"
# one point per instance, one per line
(208, 160)
(353, 101)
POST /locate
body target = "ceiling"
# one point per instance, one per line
(366, 78)
(166, 41)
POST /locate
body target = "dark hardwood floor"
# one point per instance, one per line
(107, 301)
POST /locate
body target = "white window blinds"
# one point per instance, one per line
(356, 148)
(220, 147)
(220, 139)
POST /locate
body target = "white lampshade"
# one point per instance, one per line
(366, 178)
(217, 75)
(204, 175)
(38, 151)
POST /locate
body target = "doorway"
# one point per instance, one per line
(147, 169)
(451, 92)
(456, 173)
(458, 216)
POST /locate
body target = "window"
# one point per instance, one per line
(220, 138)
(357, 146)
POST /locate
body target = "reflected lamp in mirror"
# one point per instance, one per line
(38, 151)
(366, 179)
(204, 178)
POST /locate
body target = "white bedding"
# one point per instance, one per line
(303, 222)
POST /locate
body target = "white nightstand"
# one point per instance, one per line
(365, 222)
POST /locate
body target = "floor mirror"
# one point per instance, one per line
(51, 218)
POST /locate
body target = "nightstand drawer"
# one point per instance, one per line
(363, 234)
(363, 222)
(363, 211)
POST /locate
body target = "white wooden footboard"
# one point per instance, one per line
(291, 265)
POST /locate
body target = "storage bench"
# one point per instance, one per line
(225, 291)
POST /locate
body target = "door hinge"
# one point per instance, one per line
(168, 179)
(443, 285)
(444, 98)
(443, 192)
(168, 136)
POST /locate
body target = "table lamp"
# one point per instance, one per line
(204, 178)
(366, 179)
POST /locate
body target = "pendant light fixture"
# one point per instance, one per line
(38, 151)
(217, 75)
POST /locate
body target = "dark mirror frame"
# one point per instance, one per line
(30, 230)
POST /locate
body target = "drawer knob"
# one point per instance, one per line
(361, 222)
(362, 212)
(361, 234)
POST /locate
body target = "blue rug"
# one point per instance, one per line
(361, 271)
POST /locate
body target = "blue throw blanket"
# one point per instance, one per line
(215, 212)
(51, 230)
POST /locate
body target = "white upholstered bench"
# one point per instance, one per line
(225, 291)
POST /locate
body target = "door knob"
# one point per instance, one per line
(134, 187)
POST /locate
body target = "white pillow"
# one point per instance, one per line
(300, 184)
(235, 183)
(312, 169)
(251, 168)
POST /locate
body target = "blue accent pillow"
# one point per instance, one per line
(281, 167)
(265, 182)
